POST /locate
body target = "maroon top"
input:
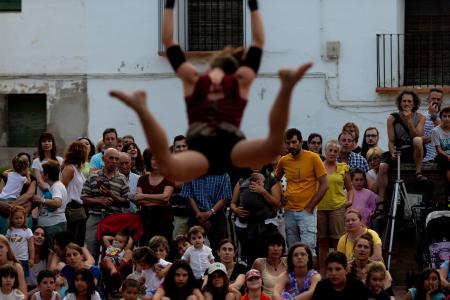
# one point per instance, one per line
(147, 188)
(230, 109)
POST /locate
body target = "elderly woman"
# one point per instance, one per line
(273, 264)
(153, 193)
(7, 257)
(331, 209)
(355, 228)
(254, 202)
(300, 279)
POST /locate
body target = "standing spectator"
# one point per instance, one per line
(255, 200)
(346, 154)
(104, 193)
(181, 212)
(7, 258)
(73, 179)
(431, 121)
(306, 185)
(331, 210)
(315, 144)
(137, 162)
(152, 196)
(52, 211)
(300, 277)
(128, 138)
(441, 140)
(90, 149)
(109, 141)
(371, 138)
(354, 130)
(132, 178)
(46, 151)
(207, 197)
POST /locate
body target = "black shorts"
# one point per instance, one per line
(215, 143)
(407, 156)
(442, 162)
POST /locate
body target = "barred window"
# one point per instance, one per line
(10, 5)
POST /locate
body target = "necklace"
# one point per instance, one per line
(274, 267)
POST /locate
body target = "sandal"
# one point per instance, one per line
(420, 177)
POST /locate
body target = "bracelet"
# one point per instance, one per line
(213, 211)
(253, 5)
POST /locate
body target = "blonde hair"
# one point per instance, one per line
(10, 256)
(373, 151)
(332, 143)
(374, 267)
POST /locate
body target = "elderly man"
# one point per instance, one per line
(346, 154)
(110, 141)
(104, 193)
(132, 178)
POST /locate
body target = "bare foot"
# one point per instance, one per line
(289, 77)
(136, 100)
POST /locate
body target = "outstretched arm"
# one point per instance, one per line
(167, 33)
(257, 24)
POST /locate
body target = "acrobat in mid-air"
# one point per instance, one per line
(215, 103)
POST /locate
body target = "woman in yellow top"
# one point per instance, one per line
(331, 209)
(355, 228)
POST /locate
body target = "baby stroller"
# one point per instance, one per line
(126, 222)
(437, 238)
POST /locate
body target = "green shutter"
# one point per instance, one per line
(10, 5)
(27, 119)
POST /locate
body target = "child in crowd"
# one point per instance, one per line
(118, 251)
(199, 256)
(339, 285)
(253, 286)
(9, 283)
(21, 238)
(182, 243)
(82, 286)
(428, 287)
(130, 289)
(46, 284)
(151, 267)
(61, 285)
(16, 178)
(375, 281)
(179, 283)
(160, 246)
(441, 140)
(218, 285)
(365, 201)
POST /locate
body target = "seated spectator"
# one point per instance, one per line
(374, 159)
(300, 277)
(199, 256)
(255, 200)
(431, 121)
(235, 270)
(405, 129)
(7, 258)
(174, 289)
(375, 281)
(441, 140)
(218, 286)
(52, 214)
(82, 286)
(117, 254)
(445, 275)
(428, 287)
(160, 246)
(40, 256)
(354, 130)
(365, 201)
(354, 229)
(338, 284)
(346, 154)
(9, 284)
(46, 286)
(315, 144)
(273, 265)
(74, 258)
(181, 243)
(130, 289)
(371, 138)
(151, 267)
(254, 286)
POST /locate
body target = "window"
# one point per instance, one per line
(10, 5)
(209, 25)
(26, 118)
(427, 42)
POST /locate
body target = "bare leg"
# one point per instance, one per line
(251, 153)
(418, 153)
(181, 167)
(382, 180)
(109, 265)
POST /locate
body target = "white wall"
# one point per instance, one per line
(115, 43)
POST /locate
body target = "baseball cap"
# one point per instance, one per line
(252, 273)
(217, 267)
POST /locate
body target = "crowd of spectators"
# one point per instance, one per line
(307, 226)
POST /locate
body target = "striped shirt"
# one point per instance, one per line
(427, 130)
(208, 190)
(118, 185)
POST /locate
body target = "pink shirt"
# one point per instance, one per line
(365, 201)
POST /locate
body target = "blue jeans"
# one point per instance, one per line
(301, 226)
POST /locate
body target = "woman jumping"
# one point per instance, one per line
(215, 104)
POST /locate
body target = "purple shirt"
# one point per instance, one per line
(365, 201)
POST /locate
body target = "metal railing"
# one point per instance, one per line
(417, 60)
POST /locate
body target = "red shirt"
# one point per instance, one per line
(263, 297)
